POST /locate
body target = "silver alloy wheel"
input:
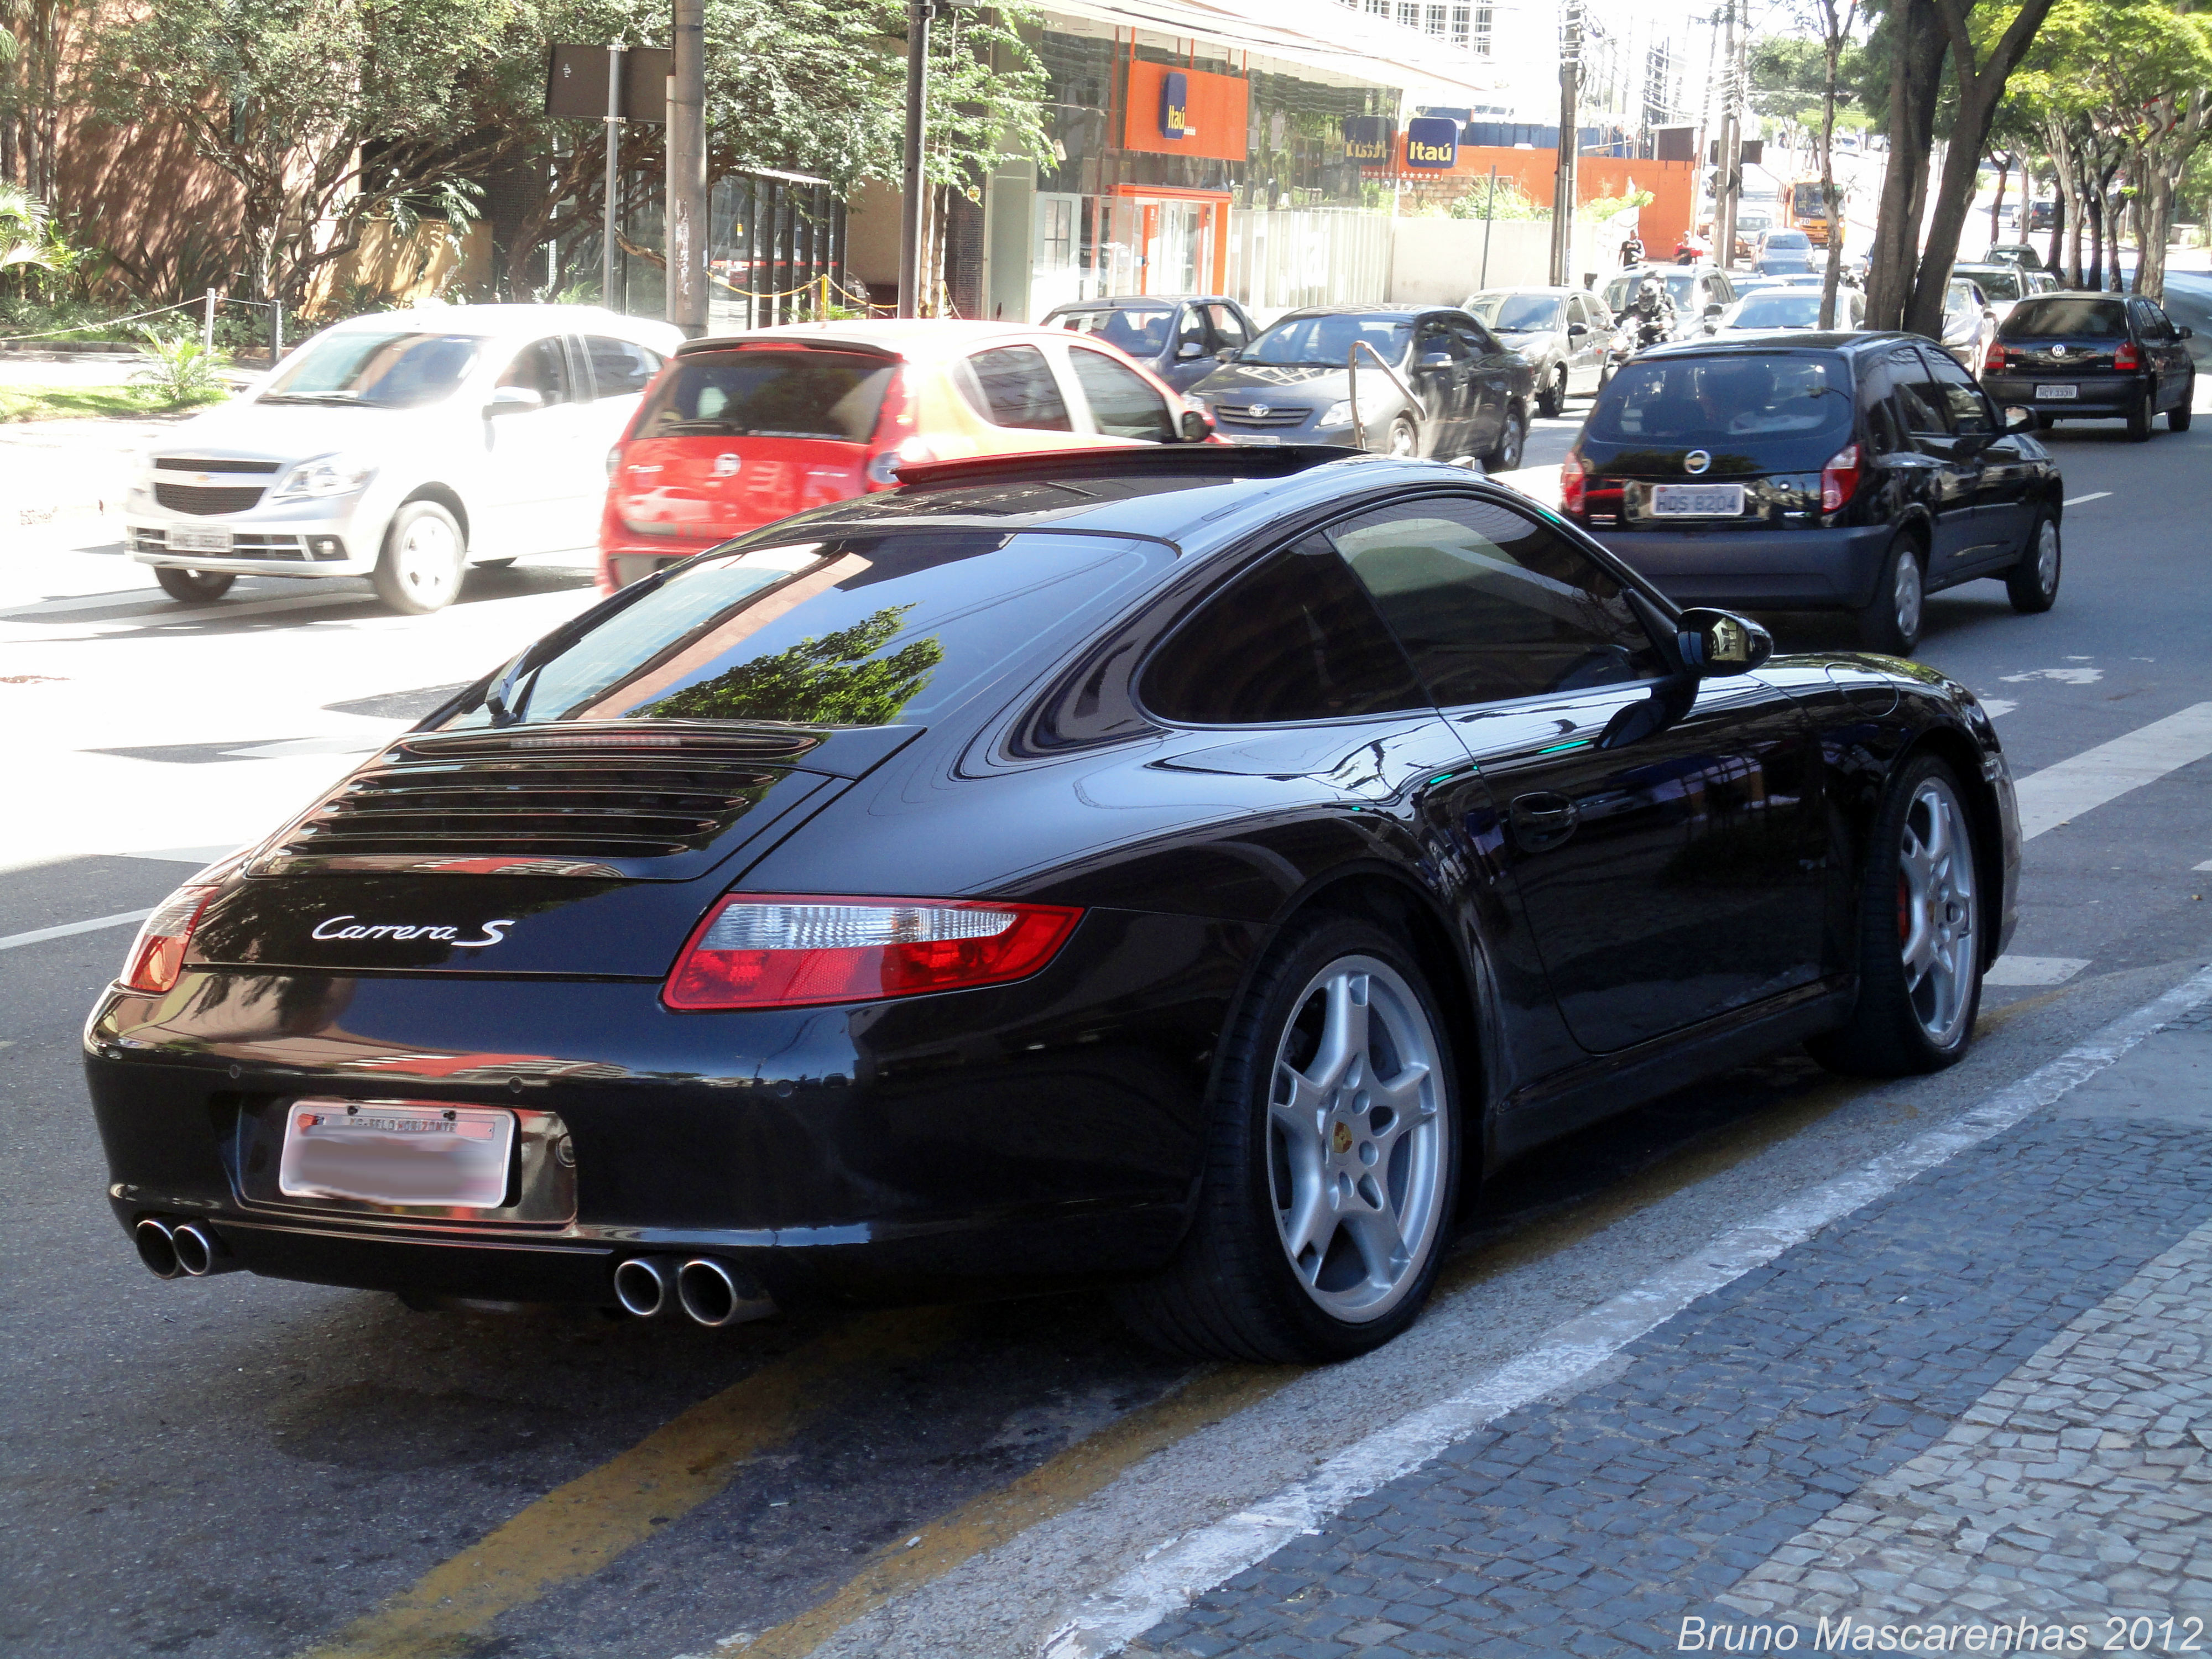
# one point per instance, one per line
(1404, 442)
(1357, 1138)
(1906, 595)
(428, 561)
(1509, 444)
(2047, 557)
(1937, 911)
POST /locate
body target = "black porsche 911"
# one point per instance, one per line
(1188, 870)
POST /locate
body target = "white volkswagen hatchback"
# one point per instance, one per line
(403, 447)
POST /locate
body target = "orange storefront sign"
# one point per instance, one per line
(1672, 184)
(1215, 113)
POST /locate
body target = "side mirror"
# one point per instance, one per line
(1227, 354)
(2185, 333)
(1189, 350)
(1715, 643)
(1576, 330)
(2017, 419)
(1713, 311)
(513, 400)
(1435, 360)
(1194, 428)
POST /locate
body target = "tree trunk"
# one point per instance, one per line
(1996, 205)
(2093, 274)
(1831, 28)
(1916, 78)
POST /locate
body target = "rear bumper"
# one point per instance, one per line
(1816, 568)
(2101, 397)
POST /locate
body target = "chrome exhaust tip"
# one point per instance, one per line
(199, 1251)
(714, 1295)
(642, 1286)
(157, 1247)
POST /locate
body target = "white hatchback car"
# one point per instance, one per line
(402, 446)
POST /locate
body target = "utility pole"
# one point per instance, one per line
(688, 224)
(615, 125)
(1563, 183)
(1731, 154)
(917, 202)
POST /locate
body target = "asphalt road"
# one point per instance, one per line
(238, 1466)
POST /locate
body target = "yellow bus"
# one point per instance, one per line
(1800, 206)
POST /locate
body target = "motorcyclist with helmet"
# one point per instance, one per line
(1649, 317)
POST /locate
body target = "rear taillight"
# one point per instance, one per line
(757, 951)
(1839, 479)
(2126, 357)
(1994, 361)
(614, 462)
(1574, 483)
(157, 954)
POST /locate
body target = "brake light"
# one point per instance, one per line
(1839, 479)
(897, 441)
(1574, 483)
(157, 954)
(2126, 357)
(772, 951)
(614, 462)
(1993, 361)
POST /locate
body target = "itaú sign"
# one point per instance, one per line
(1368, 138)
(1175, 105)
(1432, 142)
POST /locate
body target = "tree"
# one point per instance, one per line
(835, 679)
(1835, 20)
(1906, 284)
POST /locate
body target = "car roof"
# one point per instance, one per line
(1140, 302)
(500, 321)
(1856, 341)
(1516, 288)
(914, 339)
(1379, 308)
(1198, 496)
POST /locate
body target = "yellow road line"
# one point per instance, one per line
(577, 1529)
(1055, 1485)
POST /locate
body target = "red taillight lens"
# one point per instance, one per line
(2126, 357)
(1994, 361)
(1839, 479)
(1574, 484)
(761, 951)
(157, 954)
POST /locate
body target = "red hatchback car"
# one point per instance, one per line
(742, 430)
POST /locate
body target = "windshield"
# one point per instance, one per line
(384, 370)
(1680, 284)
(1519, 313)
(1998, 283)
(2052, 319)
(1789, 238)
(827, 395)
(1777, 308)
(1140, 331)
(854, 630)
(1717, 402)
(1324, 342)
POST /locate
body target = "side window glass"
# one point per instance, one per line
(1013, 386)
(619, 367)
(540, 366)
(1190, 326)
(1969, 410)
(1295, 639)
(1122, 402)
(1228, 330)
(1920, 401)
(1491, 604)
(1474, 337)
(1434, 337)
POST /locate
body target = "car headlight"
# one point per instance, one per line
(1337, 413)
(324, 475)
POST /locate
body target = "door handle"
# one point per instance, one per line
(1542, 820)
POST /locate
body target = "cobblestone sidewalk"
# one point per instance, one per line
(1973, 1417)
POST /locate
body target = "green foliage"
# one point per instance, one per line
(829, 681)
(178, 370)
(1478, 201)
(1604, 209)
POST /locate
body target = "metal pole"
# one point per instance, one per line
(917, 201)
(1731, 182)
(1489, 207)
(690, 224)
(207, 323)
(1563, 192)
(614, 119)
(276, 333)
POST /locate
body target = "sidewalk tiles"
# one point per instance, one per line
(1971, 1417)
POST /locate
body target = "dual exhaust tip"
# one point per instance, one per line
(709, 1292)
(180, 1250)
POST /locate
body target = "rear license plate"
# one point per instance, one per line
(455, 1156)
(2064, 394)
(1697, 500)
(183, 539)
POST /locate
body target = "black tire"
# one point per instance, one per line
(2178, 417)
(493, 564)
(1512, 443)
(424, 555)
(194, 586)
(1232, 1292)
(2032, 583)
(1403, 439)
(1888, 622)
(1552, 401)
(1892, 1031)
(2141, 414)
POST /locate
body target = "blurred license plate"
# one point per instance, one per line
(440, 1155)
(183, 540)
(2061, 393)
(1247, 438)
(1697, 500)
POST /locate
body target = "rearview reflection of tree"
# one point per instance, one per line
(828, 681)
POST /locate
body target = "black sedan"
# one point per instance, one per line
(1432, 382)
(2093, 357)
(1179, 337)
(1852, 473)
(1188, 870)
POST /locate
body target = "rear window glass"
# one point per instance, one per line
(1998, 284)
(768, 394)
(1720, 402)
(1012, 386)
(851, 631)
(2067, 318)
(1518, 314)
(1141, 333)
